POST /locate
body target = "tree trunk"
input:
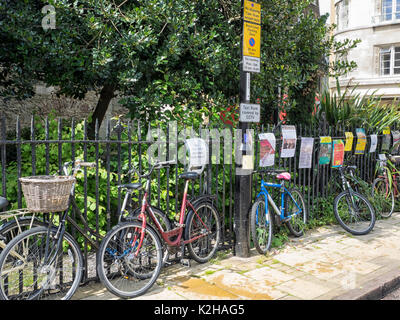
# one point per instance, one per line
(106, 94)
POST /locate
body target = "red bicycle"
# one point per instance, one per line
(385, 187)
(130, 257)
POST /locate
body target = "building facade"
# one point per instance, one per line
(377, 24)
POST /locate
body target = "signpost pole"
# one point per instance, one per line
(242, 186)
(242, 182)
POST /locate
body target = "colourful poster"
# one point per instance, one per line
(289, 139)
(325, 150)
(386, 142)
(337, 153)
(267, 149)
(396, 142)
(361, 141)
(306, 152)
(349, 141)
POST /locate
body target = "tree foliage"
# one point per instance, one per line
(165, 59)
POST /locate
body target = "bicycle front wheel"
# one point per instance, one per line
(261, 226)
(295, 208)
(162, 219)
(354, 212)
(33, 266)
(203, 231)
(383, 197)
(129, 259)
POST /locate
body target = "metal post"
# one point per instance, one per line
(242, 181)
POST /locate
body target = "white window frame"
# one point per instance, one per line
(342, 14)
(392, 51)
(395, 14)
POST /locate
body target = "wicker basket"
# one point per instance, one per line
(47, 193)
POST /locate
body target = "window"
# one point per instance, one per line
(342, 14)
(390, 10)
(390, 61)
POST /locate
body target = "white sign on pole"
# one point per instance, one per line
(249, 112)
(251, 64)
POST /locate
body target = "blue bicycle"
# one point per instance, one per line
(292, 210)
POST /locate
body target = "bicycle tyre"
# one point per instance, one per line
(45, 287)
(10, 229)
(385, 200)
(204, 248)
(347, 225)
(116, 259)
(257, 224)
(163, 219)
(295, 222)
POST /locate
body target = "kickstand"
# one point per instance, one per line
(183, 261)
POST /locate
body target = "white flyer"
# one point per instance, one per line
(289, 139)
(306, 152)
(374, 143)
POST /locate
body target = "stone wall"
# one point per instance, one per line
(46, 103)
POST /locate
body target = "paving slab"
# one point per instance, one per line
(326, 263)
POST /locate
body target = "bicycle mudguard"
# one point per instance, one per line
(6, 224)
(204, 197)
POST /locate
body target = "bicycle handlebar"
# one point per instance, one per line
(77, 165)
(157, 165)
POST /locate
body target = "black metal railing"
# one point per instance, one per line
(45, 145)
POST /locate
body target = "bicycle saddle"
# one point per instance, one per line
(284, 176)
(134, 186)
(3, 202)
(189, 175)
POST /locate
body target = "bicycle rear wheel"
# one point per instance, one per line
(11, 229)
(203, 229)
(295, 207)
(26, 273)
(261, 225)
(383, 197)
(354, 213)
(126, 269)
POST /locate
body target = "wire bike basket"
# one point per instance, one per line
(47, 193)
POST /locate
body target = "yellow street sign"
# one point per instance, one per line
(252, 12)
(251, 39)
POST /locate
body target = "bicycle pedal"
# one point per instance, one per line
(185, 263)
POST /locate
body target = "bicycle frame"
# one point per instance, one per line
(394, 175)
(166, 235)
(65, 217)
(280, 213)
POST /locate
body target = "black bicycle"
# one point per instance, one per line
(46, 262)
(352, 210)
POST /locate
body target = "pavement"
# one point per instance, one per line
(327, 263)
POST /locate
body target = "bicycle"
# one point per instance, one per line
(385, 187)
(352, 210)
(15, 222)
(292, 211)
(130, 255)
(46, 262)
